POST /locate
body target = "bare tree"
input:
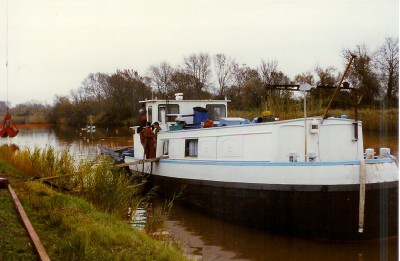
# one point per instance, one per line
(266, 70)
(161, 77)
(94, 86)
(223, 70)
(126, 89)
(326, 76)
(247, 88)
(239, 76)
(269, 73)
(386, 60)
(199, 67)
(362, 75)
(306, 77)
(253, 91)
(186, 84)
(62, 108)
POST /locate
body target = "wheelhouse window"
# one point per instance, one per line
(191, 148)
(216, 111)
(150, 114)
(169, 109)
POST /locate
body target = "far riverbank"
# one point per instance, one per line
(372, 119)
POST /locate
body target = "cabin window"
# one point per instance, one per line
(165, 147)
(150, 114)
(216, 111)
(191, 148)
(169, 109)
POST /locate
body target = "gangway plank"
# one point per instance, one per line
(137, 162)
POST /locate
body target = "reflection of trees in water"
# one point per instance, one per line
(211, 237)
(61, 137)
(70, 133)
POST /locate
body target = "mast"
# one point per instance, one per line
(338, 87)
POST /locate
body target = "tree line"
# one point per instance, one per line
(113, 98)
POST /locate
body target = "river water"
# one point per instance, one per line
(206, 238)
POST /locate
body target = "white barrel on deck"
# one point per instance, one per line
(384, 152)
(369, 153)
(312, 156)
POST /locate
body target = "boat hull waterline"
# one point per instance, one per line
(304, 207)
(309, 176)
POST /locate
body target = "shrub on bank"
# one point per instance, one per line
(101, 184)
(71, 228)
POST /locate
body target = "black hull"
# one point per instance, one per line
(328, 212)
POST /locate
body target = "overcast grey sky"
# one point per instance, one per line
(54, 44)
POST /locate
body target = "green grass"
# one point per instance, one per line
(72, 229)
(108, 188)
(14, 241)
(87, 223)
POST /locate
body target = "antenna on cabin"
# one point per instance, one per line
(304, 88)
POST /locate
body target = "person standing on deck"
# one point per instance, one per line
(157, 129)
(147, 139)
(143, 116)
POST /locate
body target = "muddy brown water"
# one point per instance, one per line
(206, 238)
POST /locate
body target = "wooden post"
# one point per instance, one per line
(3, 183)
(41, 251)
(361, 206)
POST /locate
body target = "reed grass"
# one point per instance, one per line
(106, 187)
(69, 231)
(112, 191)
(157, 216)
(72, 229)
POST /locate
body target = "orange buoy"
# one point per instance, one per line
(208, 124)
(8, 128)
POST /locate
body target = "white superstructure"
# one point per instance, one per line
(283, 166)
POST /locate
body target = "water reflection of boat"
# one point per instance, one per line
(308, 176)
(213, 239)
(139, 218)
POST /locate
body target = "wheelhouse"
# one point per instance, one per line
(172, 112)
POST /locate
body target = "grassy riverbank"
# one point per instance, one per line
(373, 119)
(14, 241)
(69, 226)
